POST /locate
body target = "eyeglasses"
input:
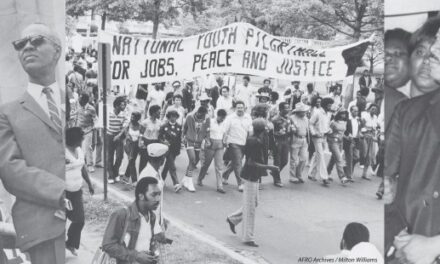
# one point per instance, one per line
(35, 41)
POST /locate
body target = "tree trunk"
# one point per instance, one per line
(156, 18)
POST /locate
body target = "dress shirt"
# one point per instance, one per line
(225, 103)
(319, 122)
(36, 91)
(237, 128)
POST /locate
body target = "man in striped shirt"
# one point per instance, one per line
(117, 120)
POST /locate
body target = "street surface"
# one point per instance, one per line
(294, 221)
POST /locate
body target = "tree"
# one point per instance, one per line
(353, 18)
(375, 52)
(157, 11)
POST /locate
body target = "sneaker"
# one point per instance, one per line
(117, 179)
(188, 184)
(312, 178)
(177, 188)
(240, 188)
(200, 183)
(134, 184)
(278, 184)
(365, 177)
(90, 169)
(251, 243)
(125, 179)
(361, 166)
(325, 182)
(111, 181)
(379, 195)
(330, 179)
(221, 190)
(224, 181)
(344, 180)
(72, 250)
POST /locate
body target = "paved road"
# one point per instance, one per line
(294, 221)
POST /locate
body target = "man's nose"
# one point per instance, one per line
(28, 46)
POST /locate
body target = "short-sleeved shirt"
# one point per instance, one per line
(253, 150)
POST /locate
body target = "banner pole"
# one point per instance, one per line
(104, 68)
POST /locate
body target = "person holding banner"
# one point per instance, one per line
(151, 134)
(266, 87)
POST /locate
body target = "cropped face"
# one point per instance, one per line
(373, 110)
(397, 71)
(285, 110)
(421, 69)
(354, 111)
(245, 81)
(173, 118)
(38, 50)
(177, 101)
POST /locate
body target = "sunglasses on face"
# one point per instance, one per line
(35, 41)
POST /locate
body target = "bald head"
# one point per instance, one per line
(39, 50)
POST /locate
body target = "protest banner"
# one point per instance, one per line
(237, 48)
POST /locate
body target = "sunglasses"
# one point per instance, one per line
(35, 41)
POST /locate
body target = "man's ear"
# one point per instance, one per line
(141, 197)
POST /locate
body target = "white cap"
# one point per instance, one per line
(157, 149)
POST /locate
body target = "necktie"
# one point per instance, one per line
(53, 109)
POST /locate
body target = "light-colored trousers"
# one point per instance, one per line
(247, 212)
(215, 151)
(318, 166)
(298, 156)
(87, 146)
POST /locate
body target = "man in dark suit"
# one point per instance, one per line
(32, 163)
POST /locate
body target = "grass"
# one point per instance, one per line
(184, 249)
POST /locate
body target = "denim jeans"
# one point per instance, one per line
(215, 151)
(115, 148)
(236, 155)
(335, 147)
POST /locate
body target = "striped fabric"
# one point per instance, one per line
(115, 123)
(53, 109)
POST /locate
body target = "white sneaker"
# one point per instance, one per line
(240, 187)
(117, 179)
(91, 169)
(187, 182)
(111, 181)
(177, 188)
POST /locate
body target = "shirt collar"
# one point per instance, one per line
(36, 90)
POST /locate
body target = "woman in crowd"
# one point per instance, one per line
(76, 173)
(170, 134)
(132, 134)
(225, 101)
(334, 139)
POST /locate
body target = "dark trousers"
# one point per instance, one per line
(280, 157)
(115, 148)
(51, 251)
(133, 151)
(144, 154)
(76, 216)
(170, 166)
(351, 150)
(236, 156)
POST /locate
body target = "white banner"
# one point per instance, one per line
(237, 48)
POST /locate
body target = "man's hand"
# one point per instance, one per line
(417, 249)
(145, 258)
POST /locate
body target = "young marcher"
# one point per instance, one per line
(282, 133)
(132, 134)
(334, 140)
(195, 131)
(319, 128)
(215, 150)
(253, 169)
(298, 143)
(76, 173)
(151, 134)
(170, 134)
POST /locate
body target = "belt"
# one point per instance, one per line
(299, 136)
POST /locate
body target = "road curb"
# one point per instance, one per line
(244, 257)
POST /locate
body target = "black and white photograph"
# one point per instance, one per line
(267, 115)
(32, 114)
(412, 108)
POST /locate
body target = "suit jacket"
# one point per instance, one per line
(32, 168)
